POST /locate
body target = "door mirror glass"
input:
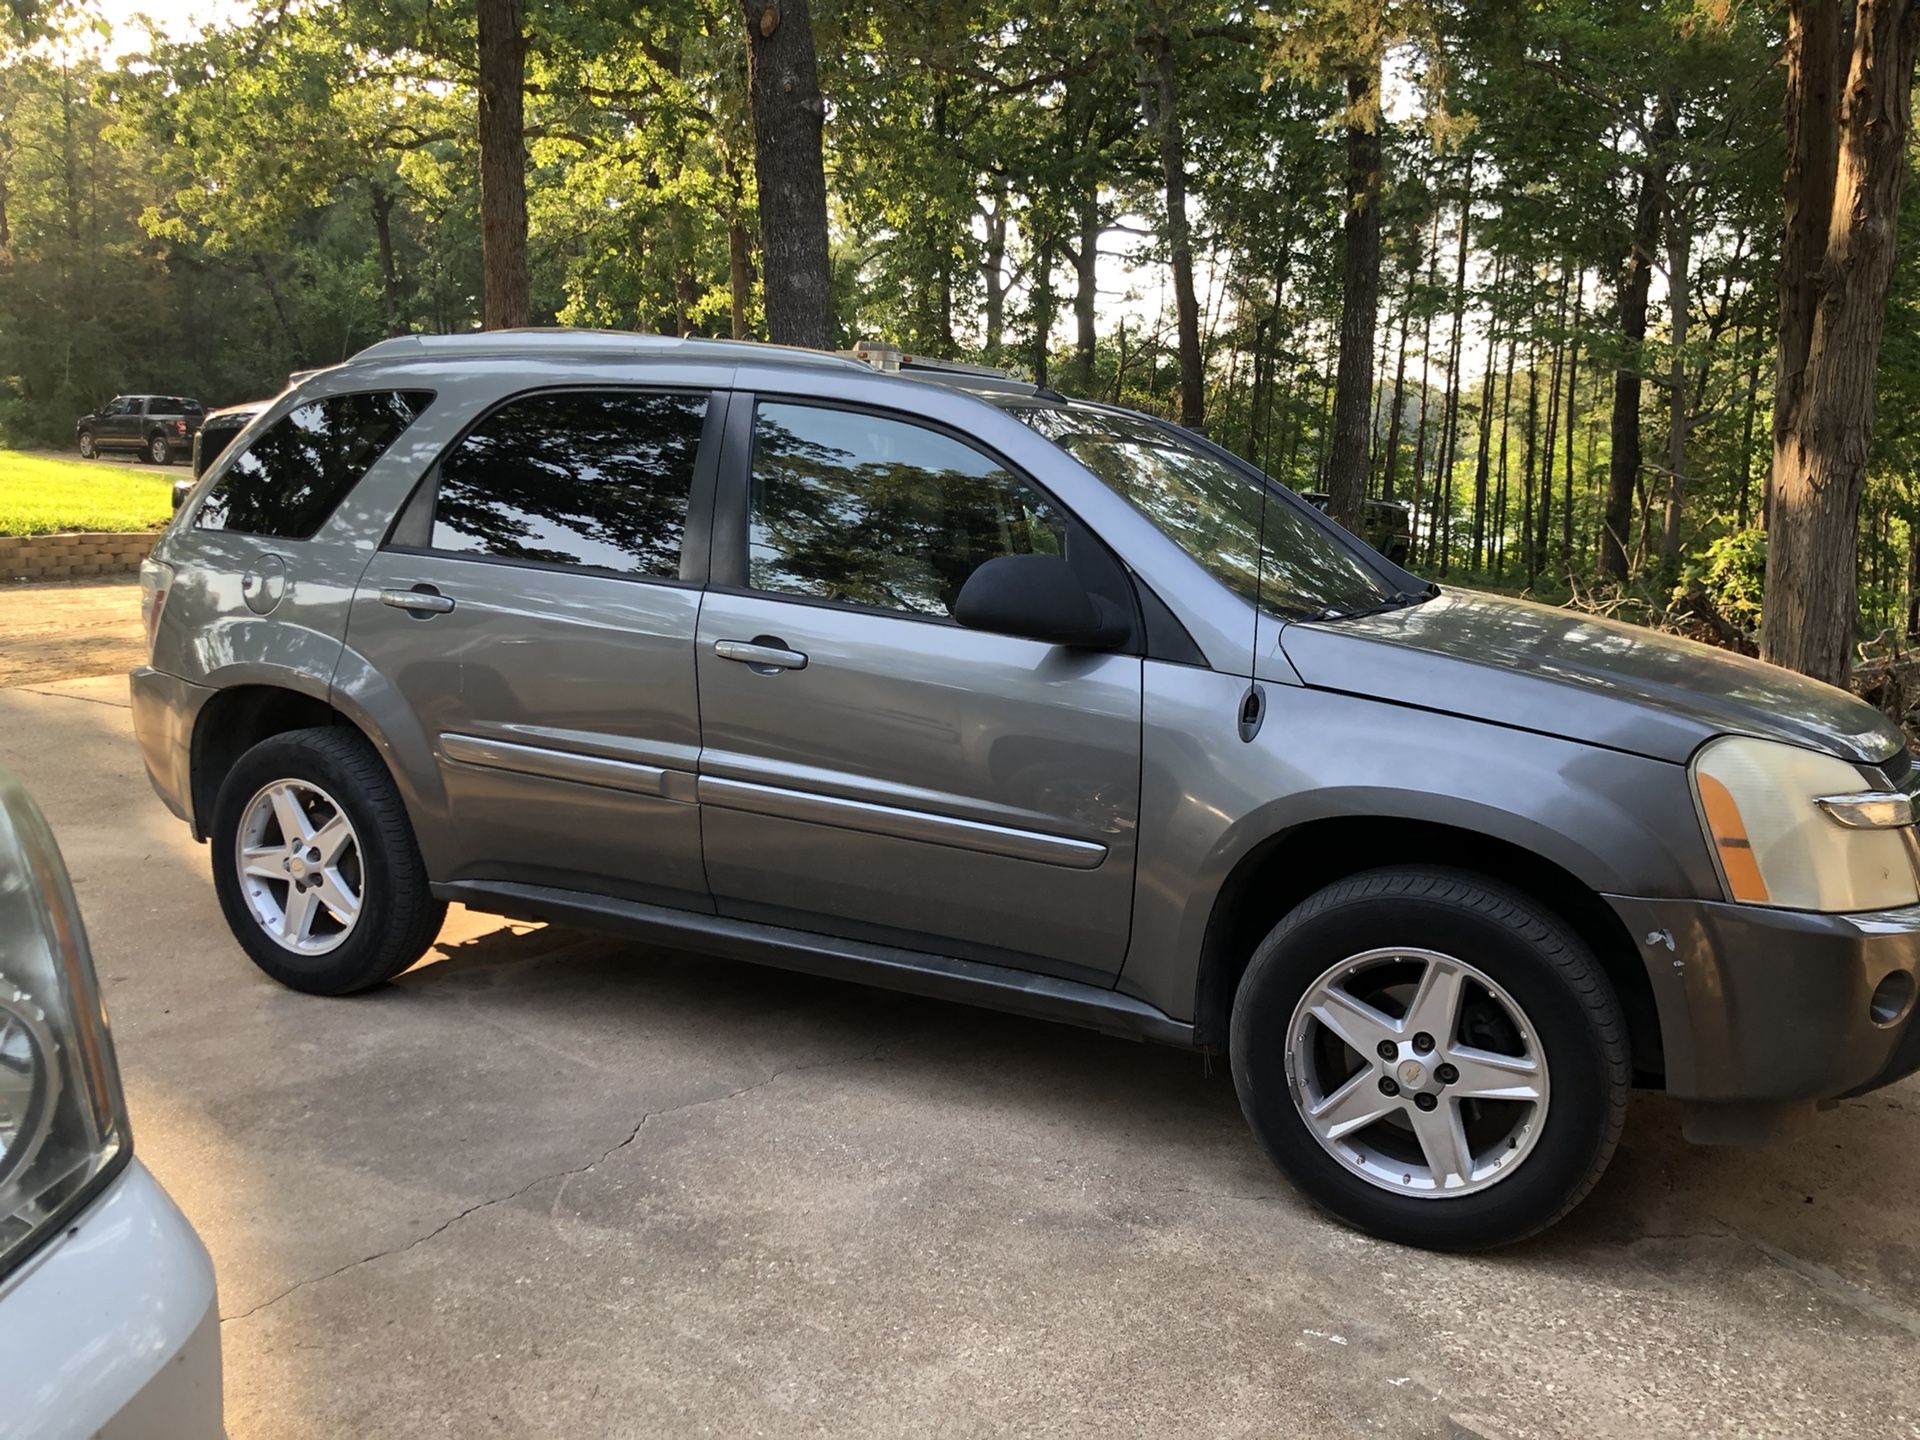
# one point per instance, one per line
(1038, 597)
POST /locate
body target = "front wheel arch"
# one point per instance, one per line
(1279, 873)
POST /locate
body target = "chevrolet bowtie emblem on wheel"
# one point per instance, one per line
(1411, 1074)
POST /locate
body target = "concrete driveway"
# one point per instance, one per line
(546, 1184)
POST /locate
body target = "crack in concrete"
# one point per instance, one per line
(564, 1176)
(68, 695)
(1837, 1287)
(1827, 1282)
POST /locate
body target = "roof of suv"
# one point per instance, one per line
(598, 344)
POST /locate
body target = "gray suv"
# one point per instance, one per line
(949, 683)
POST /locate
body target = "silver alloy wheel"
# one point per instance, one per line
(1450, 1093)
(300, 866)
(159, 450)
(86, 444)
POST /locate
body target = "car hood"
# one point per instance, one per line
(1561, 672)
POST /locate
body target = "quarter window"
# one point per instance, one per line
(288, 481)
(583, 478)
(867, 510)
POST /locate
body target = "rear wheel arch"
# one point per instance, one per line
(240, 717)
(1280, 872)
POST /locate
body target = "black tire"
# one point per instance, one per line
(1534, 956)
(399, 916)
(157, 450)
(87, 450)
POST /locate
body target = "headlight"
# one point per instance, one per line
(63, 1125)
(1800, 831)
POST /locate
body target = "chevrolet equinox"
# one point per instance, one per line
(944, 681)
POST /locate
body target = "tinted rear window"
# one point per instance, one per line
(596, 479)
(288, 481)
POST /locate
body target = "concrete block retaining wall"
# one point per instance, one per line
(73, 557)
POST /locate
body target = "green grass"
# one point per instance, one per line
(43, 496)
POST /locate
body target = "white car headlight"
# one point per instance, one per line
(1798, 830)
(63, 1124)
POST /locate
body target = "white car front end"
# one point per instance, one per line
(108, 1319)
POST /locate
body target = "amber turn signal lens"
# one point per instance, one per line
(1730, 842)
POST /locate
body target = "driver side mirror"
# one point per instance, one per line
(1038, 597)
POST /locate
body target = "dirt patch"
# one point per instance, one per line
(63, 630)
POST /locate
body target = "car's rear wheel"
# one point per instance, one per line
(1431, 1057)
(87, 452)
(316, 865)
(158, 450)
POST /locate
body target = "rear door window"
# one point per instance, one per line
(293, 475)
(588, 479)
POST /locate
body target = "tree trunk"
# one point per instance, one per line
(1086, 296)
(783, 91)
(1572, 418)
(380, 199)
(1529, 554)
(1743, 506)
(1440, 529)
(1679, 267)
(739, 276)
(1820, 455)
(1359, 301)
(1399, 389)
(1498, 543)
(1043, 309)
(1813, 63)
(503, 162)
(265, 272)
(1426, 381)
(1483, 456)
(1551, 435)
(1623, 471)
(1913, 579)
(993, 279)
(1161, 91)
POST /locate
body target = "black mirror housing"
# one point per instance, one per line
(1037, 597)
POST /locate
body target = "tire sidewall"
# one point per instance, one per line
(158, 451)
(87, 449)
(347, 966)
(1582, 1079)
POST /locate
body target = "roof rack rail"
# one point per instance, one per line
(885, 356)
(563, 340)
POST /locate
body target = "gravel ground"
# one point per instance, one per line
(69, 628)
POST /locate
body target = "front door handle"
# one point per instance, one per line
(764, 654)
(422, 600)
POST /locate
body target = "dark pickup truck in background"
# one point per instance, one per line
(158, 428)
(1386, 525)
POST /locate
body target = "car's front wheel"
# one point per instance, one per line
(316, 865)
(1432, 1057)
(87, 452)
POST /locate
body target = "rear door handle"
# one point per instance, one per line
(424, 600)
(763, 654)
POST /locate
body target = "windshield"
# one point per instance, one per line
(1212, 511)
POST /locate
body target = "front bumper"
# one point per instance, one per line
(164, 709)
(113, 1329)
(1760, 1005)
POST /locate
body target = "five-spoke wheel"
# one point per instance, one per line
(300, 866)
(1417, 1071)
(1431, 1056)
